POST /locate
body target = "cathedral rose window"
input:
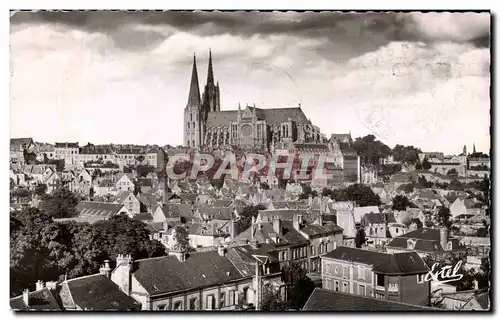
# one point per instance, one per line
(246, 131)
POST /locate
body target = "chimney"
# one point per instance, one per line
(105, 270)
(26, 297)
(297, 221)
(233, 229)
(277, 225)
(476, 285)
(51, 285)
(443, 237)
(221, 250)
(310, 201)
(124, 272)
(39, 285)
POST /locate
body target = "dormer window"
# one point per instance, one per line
(449, 246)
(411, 244)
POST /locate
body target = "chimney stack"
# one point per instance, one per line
(277, 225)
(26, 297)
(39, 285)
(105, 270)
(124, 263)
(297, 221)
(221, 250)
(443, 237)
(476, 285)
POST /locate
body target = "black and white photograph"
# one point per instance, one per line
(252, 161)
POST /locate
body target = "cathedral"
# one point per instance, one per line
(207, 127)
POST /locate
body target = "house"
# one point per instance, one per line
(148, 201)
(376, 226)
(181, 212)
(83, 182)
(129, 200)
(95, 293)
(53, 182)
(67, 151)
(224, 279)
(91, 212)
(106, 188)
(396, 277)
(125, 182)
(470, 300)
(328, 300)
(201, 234)
(42, 299)
(359, 212)
(425, 241)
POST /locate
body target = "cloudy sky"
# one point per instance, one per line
(117, 77)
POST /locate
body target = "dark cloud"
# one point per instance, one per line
(371, 29)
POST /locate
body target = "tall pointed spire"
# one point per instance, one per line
(194, 89)
(210, 77)
(474, 148)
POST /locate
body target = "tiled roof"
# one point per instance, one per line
(103, 209)
(222, 203)
(143, 217)
(272, 116)
(313, 229)
(426, 240)
(359, 212)
(40, 300)
(326, 300)
(66, 145)
(99, 293)
(148, 199)
(242, 257)
(200, 269)
(221, 213)
(391, 264)
(172, 210)
(266, 233)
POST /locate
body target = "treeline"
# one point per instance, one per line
(361, 194)
(42, 249)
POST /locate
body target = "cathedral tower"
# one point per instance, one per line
(192, 113)
(211, 94)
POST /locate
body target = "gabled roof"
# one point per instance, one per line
(406, 263)
(221, 213)
(359, 212)
(104, 209)
(98, 293)
(426, 240)
(222, 203)
(200, 269)
(326, 300)
(272, 116)
(40, 300)
(266, 234)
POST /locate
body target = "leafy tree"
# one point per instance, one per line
(61, 203)
(444, 217)
(140, 158)
(40, 189)
(370, 150)
(20, 193)
(180, 239)
(143, 171)
(406, 154)
(340, 195)
(272, 301)
(482, 232)
(363, 195)
(452, 172)
(299, 286)
(426, 165)
(455, 184)
(400, 203)
(390, 169)
(360, 238)
(326, 192)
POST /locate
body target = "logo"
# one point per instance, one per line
(445, 274)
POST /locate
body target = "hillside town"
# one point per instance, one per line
(258, 209)
(130, 227)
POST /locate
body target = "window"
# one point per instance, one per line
(362, 290)
(420, 278)
(345, 287)
(222, 302)
(245, 295)
(178, 305)
(189, 123)
(210, 302)
(192, 304)
(337, 288)
(379, 296)
(397, 230)
(161, 307)
(361, 272)
(312, 250)
(345, 271)
(380, 280)
(449, 246)
(336, 270)
(231, 298)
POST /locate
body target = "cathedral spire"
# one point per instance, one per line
(210, 77)
(473, 148)
(194, 89)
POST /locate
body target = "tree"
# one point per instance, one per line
(406, 154)
(180, 239)
(452, 172)
(426, 165)
(444, 217)
(245, 220)
(142, 171)
(61, 204)
(360, 238)
(400, 203)
(40, 189)
(264, 186)
(299, 286)
(370, 150)
(363, 195)
(455, 184)
(272, 301)
(407, 188)
(482, 232)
